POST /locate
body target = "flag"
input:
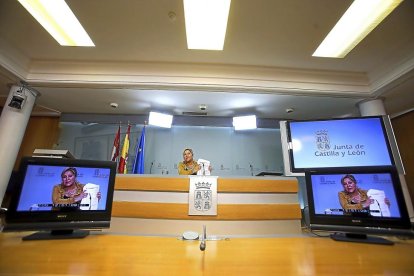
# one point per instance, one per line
(139, 154)
(123, 161)
(115, 148)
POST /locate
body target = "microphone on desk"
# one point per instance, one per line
(203, 239)
(251, 169)
(152, 164)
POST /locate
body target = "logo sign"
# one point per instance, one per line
(322, 140)
(202, 198)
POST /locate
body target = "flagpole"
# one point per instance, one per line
(139, 162)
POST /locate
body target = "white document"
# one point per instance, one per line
(205, 167)
(378, 208)
(91, 201)
(202, 196)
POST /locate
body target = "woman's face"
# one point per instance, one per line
(68, 178)
(188, 156)
(349, 185)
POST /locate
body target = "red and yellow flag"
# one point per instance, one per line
(123, 161)
(115, 148)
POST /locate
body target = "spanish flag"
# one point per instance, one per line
(123, 161)
(115, 148)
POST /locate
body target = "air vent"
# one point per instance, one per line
(192, 113)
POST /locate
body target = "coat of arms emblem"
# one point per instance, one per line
(203, 196)
(322, 140)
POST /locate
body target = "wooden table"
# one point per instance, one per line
(107, 254)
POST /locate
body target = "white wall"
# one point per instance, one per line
(230, 152)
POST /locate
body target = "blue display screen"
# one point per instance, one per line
(339, 143)
(40, 180)
(375, 190)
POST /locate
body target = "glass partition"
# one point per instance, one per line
(238, 153)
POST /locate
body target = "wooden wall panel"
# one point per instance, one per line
(224, 185)
(224, 211)
(257, 185)
(404, 133)
(230, 212)
(139, 183)
(41, 132)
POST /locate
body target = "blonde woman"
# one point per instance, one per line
(188, 166)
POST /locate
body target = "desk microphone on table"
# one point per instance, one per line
(203, 239)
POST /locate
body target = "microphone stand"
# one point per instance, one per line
(203, 239)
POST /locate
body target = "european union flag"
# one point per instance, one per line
(138, 167)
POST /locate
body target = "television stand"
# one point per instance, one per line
(351, 237)
(57, 235)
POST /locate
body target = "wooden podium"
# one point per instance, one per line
(247, 206)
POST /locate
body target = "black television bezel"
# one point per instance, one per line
(360, 225)
(294, 169)
(58, 220)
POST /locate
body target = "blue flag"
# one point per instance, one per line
(139, 155)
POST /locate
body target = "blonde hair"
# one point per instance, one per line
(70, 169)
(350, 176)
(190, 150)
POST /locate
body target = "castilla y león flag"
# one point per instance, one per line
(115, 148)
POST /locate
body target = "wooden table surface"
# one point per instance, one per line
(108, 254)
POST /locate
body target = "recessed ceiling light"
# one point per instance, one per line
(206, 23)
(113, 105)
(172, 16)
(59, 21)
(356, 23)
(244, 122)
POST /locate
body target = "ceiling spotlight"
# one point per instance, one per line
(172, 16)
(203, 107)
(113, 105)
(289, 110)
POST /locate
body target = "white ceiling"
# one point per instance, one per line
(141, 61)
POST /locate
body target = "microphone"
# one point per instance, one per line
(203, 239)
(251, 169)
(152, 164)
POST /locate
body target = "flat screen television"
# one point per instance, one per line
(61, 198)
(336, 143)
(357, 202)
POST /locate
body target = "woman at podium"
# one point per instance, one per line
(188, 166)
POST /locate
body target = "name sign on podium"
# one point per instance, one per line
(202, 198)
